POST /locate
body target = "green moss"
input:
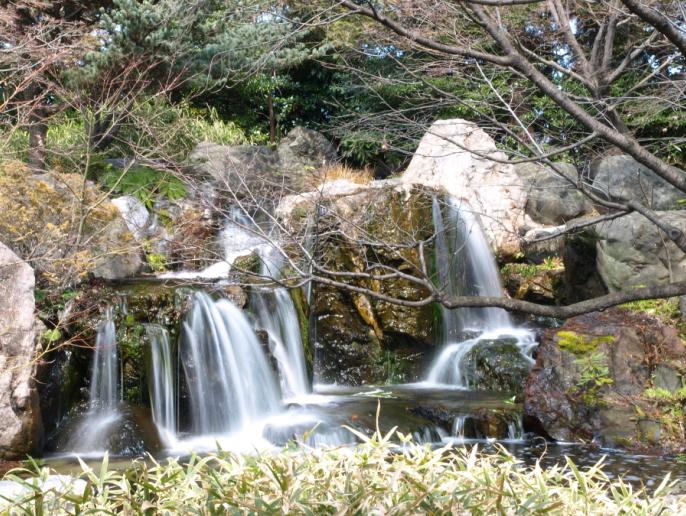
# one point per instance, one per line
(580, 344)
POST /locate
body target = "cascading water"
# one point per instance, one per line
(466, 267)
(103, 413)
(163, 383)
(227, 373)
(277, 315)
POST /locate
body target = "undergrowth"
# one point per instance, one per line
(376, 477)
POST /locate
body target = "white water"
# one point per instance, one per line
(276, 314)
(227, 373)
(240, 236)
(103, 413)
(466, 267)
(163, 383)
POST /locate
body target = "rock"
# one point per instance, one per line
(632, 251)
(258, 171)
(496, 365)
(622, 178)
(592, 377)
(135, 214)
(551, 199)
(667, 378)
(117, 254)
(536, 283)
(40, 217)
(449, 159)
(352, 331)
(581, 280)
(19, 332)
(304, 149)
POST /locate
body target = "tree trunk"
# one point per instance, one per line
(38, 133)
(272, 118)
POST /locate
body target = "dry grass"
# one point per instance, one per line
(341, 171)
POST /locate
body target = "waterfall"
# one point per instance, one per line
(162, 388)
(92, 433)
(226, 371)
(466, 267)
(104, 373)
(276, 314)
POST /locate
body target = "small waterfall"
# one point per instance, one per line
(104, 374)
(92, 433)
(226, 371)
(276, 314)
(163, 387)
(466, 266)
(458, 425)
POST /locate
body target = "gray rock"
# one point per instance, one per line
(19, 408)
(631, 251)
(496, 365)
(551, 199)
(118, 256)
(262, 170)
(668, 378)
(622, 178)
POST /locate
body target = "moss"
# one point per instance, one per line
(578, 344)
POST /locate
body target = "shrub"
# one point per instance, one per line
(376, 477)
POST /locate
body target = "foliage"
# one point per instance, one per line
(667, 310)
(142, 182)
(580, 344)
(372, 478)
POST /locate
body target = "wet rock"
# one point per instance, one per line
(354, 330)
(594, 374)
(632, 251)
(19, 334)
(622, 178)
(496, 365)
(551, 199)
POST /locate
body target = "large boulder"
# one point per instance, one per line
(65, 226)
(622, 178)
(602, 377)
(367, 229)
(496, 365)
(459, 158)
(19, 408)
(552, 199)
(632, 251)
(255, 171)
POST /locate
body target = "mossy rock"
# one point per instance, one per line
(496, 365)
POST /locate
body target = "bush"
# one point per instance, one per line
(373, 478)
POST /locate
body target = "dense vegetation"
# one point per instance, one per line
(374, 478)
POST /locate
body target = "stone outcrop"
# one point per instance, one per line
(457, 157)
(551, 199)
(357, 337)
(622, 178)
(263, 171)
(41, 217)
(631, 251)
(598, 378)
(19, 329)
